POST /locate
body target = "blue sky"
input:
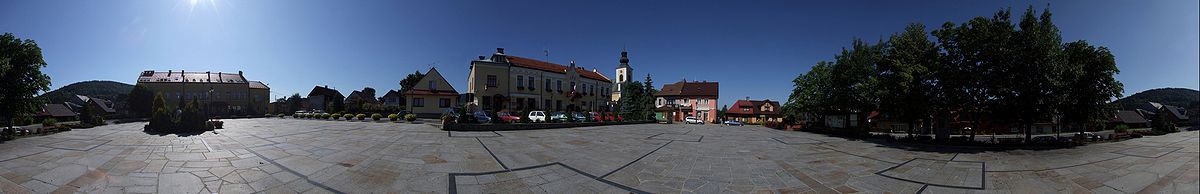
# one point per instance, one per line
(753, 48)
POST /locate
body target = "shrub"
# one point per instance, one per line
(393, 117)
(376, 116)
(98, 121)
(361, 116)
(525, 117)
(336, 116)
(413, 117)
(49, 122)
(1121, 128)
(348, 116)
(773, 125)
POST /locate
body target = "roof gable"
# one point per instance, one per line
(556, 68)
(684, 88)
(754, 107)
(432, 75)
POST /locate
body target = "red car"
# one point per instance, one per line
(609, 116)
(508, 118)
(595, 117)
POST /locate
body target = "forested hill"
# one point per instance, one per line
(109, 90)
(1181, 97)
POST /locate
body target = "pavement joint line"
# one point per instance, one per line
(982, 182)
(310, 181)
(73, 149)
(1160, 155)
(493, 154)
(636, 160)
(922, 189)
(1056, 168)
(14, 158)
(453, 186)
(853, 154)
(205, 143)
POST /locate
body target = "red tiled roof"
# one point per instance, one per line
(56, 110)
(190, 76)
(755, 107)
(551, 67)
(684, 88)
(431, 92)
(258, 85)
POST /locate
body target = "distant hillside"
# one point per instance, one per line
(1182, 97)
(108, 90)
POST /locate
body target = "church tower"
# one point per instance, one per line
(624, 72)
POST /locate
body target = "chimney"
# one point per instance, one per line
(481, 57)
(239, 72)
(169, 72)
(500, 50)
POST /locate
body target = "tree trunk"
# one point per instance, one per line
(1028, 132)
(910, 129)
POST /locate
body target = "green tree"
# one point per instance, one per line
(854, 84)
(1088, 84)
(810, 95)
(140, 101)
(87, 114)
(1163, 122)
(162, 119)
(410, 81)
(970, 54)
(906, 83)
(721, 112)
(21, 77)
(294, 103)
(1032, 90)
(647, 100)
(630, 102)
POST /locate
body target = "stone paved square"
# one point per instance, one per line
(940, 173)
(272, 155)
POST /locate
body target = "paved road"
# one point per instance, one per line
(293, 156)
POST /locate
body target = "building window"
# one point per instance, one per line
(549, 104)
(559, 85)
(433, 85)
(572, 85)
(444, 103)
(418, 102)
(531, 83)
(547, 85)
(558, 105)
(491, 81)
(521, 82)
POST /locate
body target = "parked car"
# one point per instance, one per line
(16, 130)
(578, 117)
(482, 117)
(402, 113)
(507, 118)
(1088, 136)
(692, 120)
(733, 123)
(613, 117)
(449, 112)
(537, 116)
(558, 117)
(595, 117)
(1044, 140)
